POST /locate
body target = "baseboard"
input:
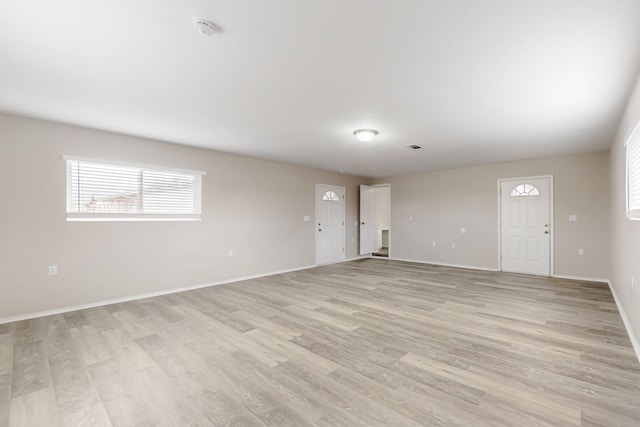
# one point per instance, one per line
(632, 336)
(470, 267)
(142, 296)
(359, 257)
(580, 278)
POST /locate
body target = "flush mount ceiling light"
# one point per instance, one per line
(365, 135)
(204, 28)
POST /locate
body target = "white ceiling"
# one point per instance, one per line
(474, 81)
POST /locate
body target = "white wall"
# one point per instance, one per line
(442, 202)
(625, 234)
(255, 207)
(252, 206)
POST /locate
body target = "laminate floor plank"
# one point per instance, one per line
(101, 318)
(90, 344)
(5, 399)
(372, 342)
(6, 354)
(119, 395)
(38, 408)
(187, 367)
(30, 368)
(77, 400)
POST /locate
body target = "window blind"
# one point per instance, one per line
(633, 175)
(105, 191)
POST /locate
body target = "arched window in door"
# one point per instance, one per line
(331, 196)
(525, 190)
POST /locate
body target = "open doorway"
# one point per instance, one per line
(375, 220)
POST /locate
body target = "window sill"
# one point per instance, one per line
(129, 219)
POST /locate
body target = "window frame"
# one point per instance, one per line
(72, 216)
(632, 146)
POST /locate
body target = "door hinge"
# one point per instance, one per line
(343, 223)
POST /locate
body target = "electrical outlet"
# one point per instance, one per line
(580, 251)
(573, 218)
(463, 230)
(230, 252)
(305, 218)
(353, 240)
(433, 243)
(410, 218)
(453, 245)
(53, 270)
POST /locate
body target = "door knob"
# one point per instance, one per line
(362, 223)
(546, 232)
(319, 229)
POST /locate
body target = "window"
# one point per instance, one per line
(331, 196)
(525, 190)
(100, 191)
(633, 174)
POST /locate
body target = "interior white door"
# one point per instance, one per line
(330, 204)
(525, 226)
(366, 219)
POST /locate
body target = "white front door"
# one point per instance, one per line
(366, 219)
(329, 224)
(526, 225)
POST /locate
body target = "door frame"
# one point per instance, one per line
(344, 226)
(552, 268)
(390, 219)
(361, 211)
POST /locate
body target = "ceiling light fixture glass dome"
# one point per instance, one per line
(365, 135)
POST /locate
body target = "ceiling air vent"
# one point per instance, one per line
(415, 147)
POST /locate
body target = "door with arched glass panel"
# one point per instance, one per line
(525, 225)
(330, 211)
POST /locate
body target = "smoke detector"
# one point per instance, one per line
(204, 28)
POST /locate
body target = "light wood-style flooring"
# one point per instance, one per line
(371, 342)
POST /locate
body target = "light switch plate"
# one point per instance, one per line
(573, 218)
